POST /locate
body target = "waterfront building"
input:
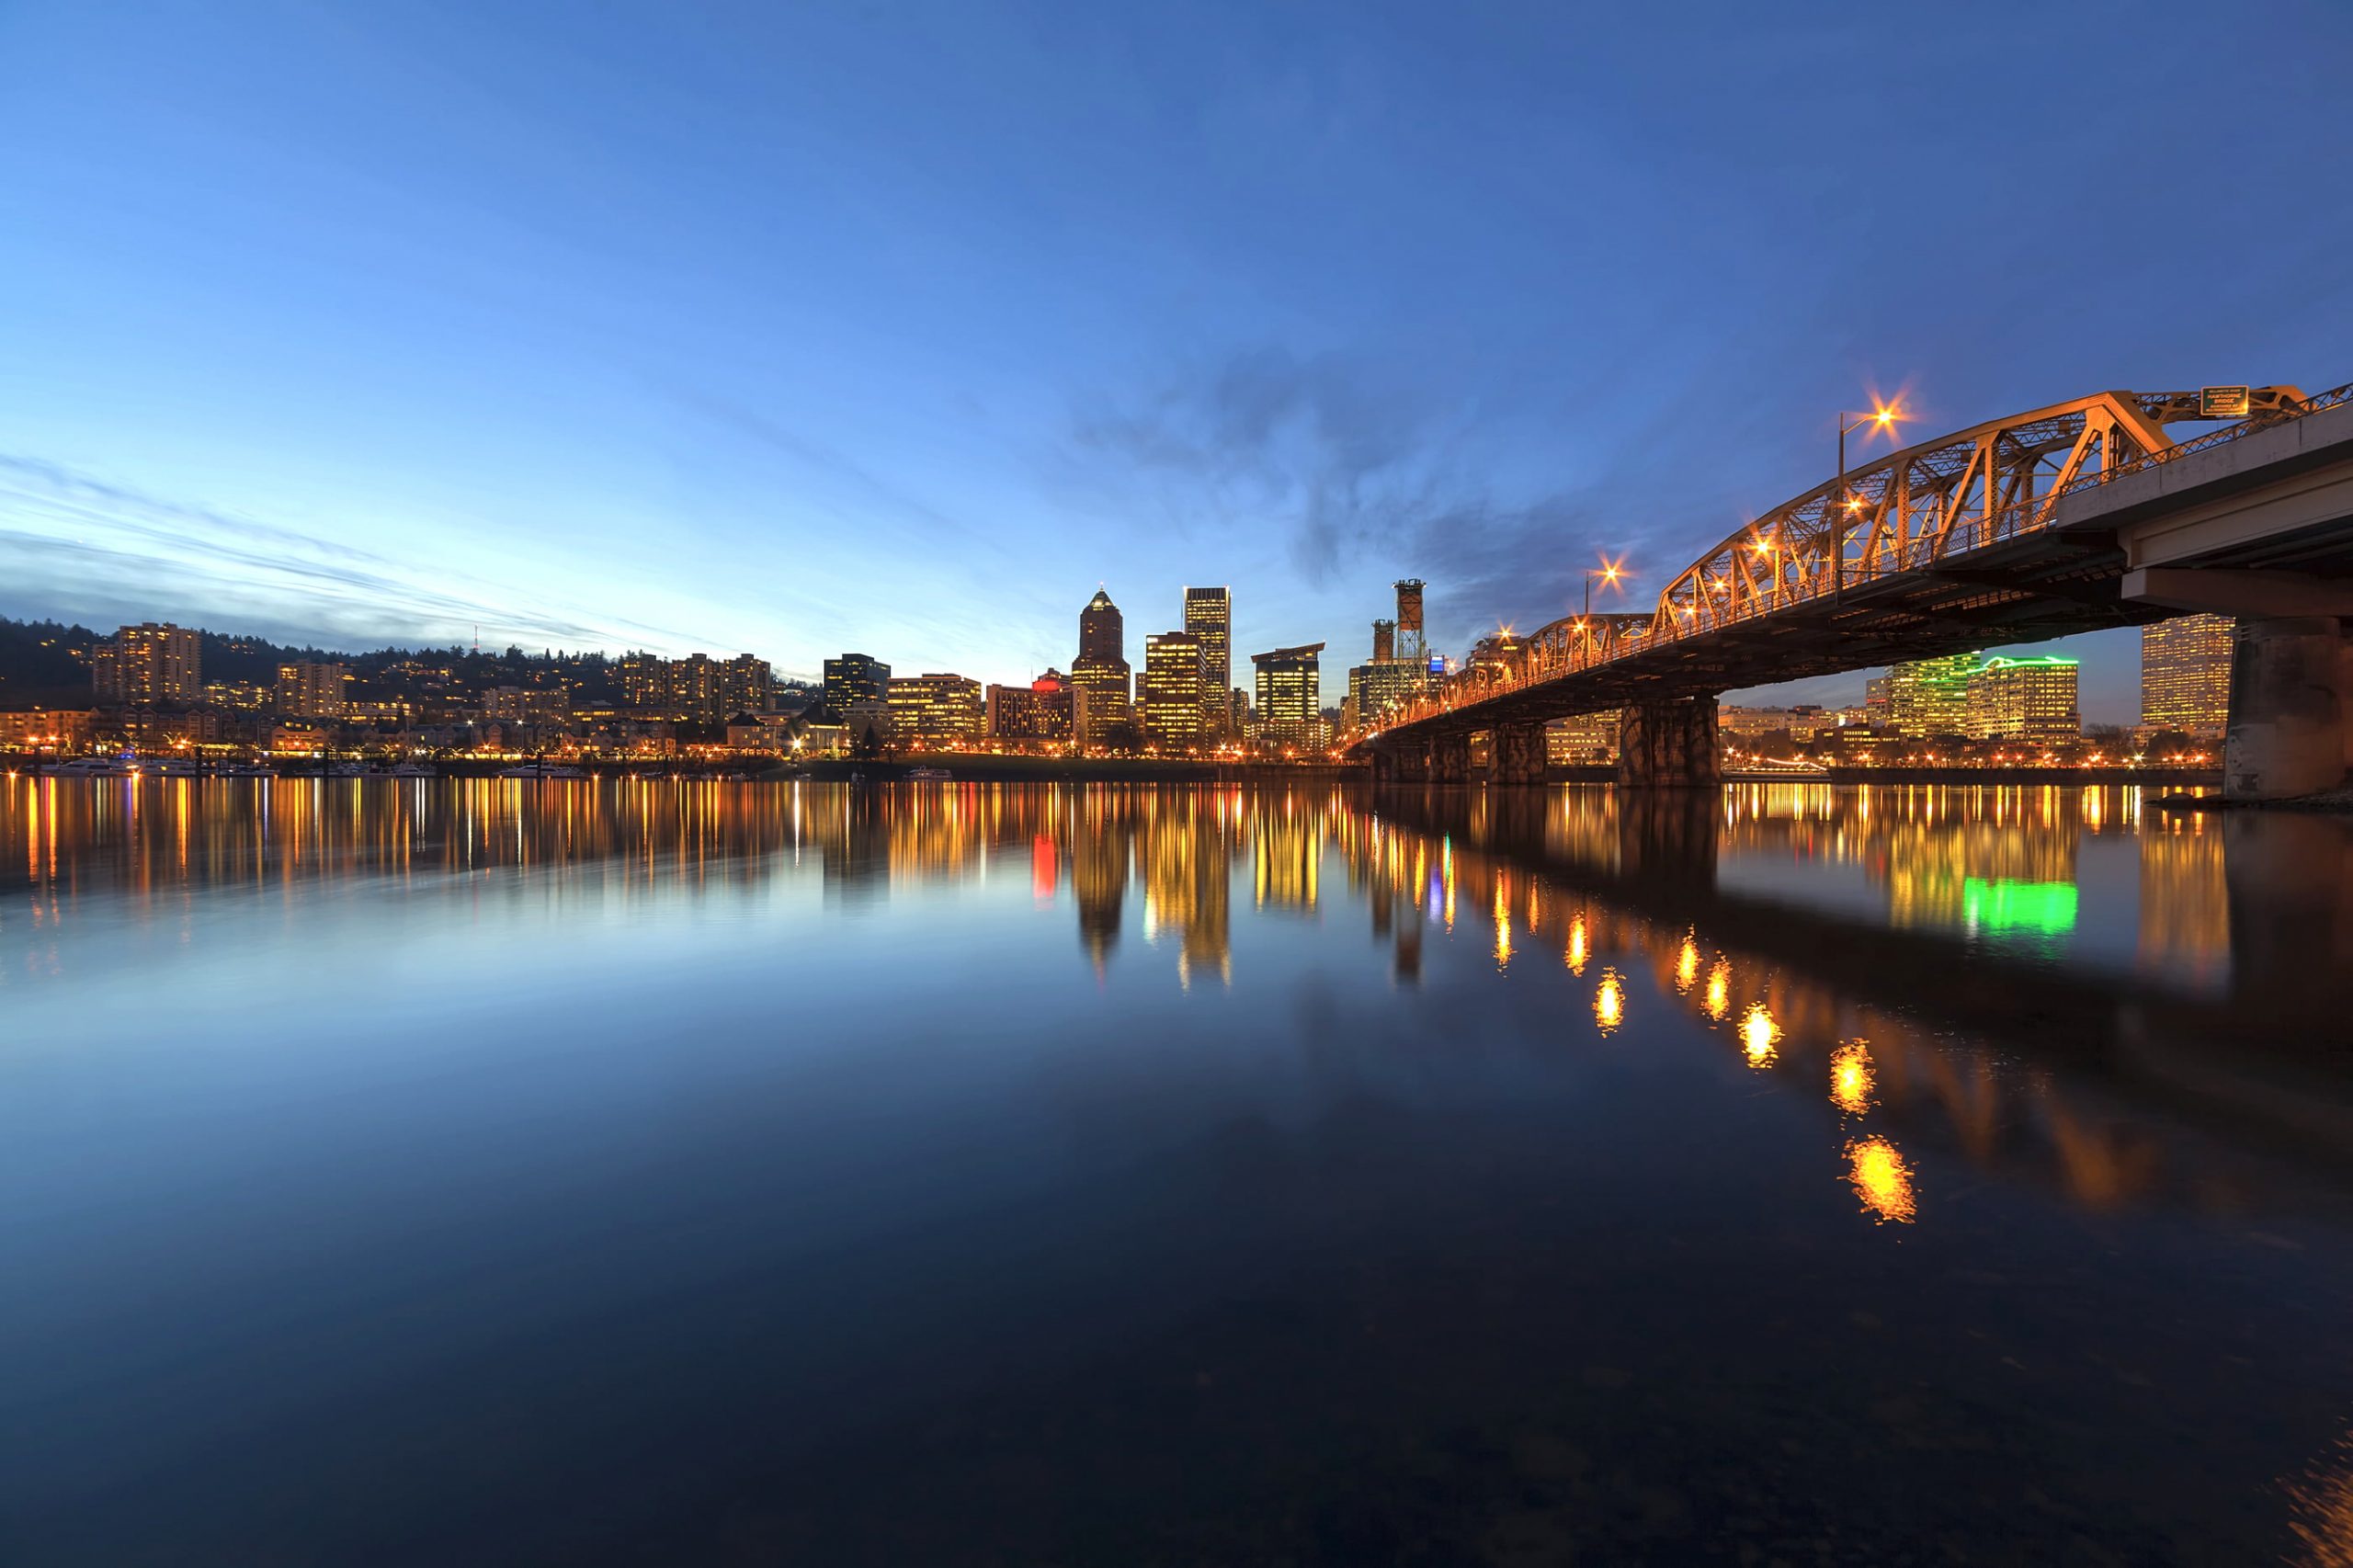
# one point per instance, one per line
(144, 665)
(852, 678)
(46, 728)
(1038, 711)
(1582, 738)
(1209, 616)
(1289, 712)
(1875, 699)
(1102, 670)
(2185, 674)
(932, 710)
(312, 690)
(1168, 704)
(2024, 699)
(1801, 721)
(1930, 696)
(867, 723)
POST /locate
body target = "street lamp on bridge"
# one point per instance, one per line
(1882, 417)
(1610, 572)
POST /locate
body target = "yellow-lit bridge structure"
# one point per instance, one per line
(2064, 519)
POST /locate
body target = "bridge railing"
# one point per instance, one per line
(2014, 520)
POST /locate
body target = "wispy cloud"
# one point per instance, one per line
(86, 546)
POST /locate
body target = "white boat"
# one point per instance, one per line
(351, 770)
(929, 776)
(92, 768)
(415, 771)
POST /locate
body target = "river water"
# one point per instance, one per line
(657, 1172)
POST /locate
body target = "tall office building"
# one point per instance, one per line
(311, 690)
(1930, 696)
(1101, 668)
(1169, 703)
(1102, 629)
(2024, 699)
(1289, 710)
(1209, 616)
(141, 665)
(2185, 674)
(854, 678)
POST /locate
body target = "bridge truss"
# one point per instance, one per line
(1927, 513)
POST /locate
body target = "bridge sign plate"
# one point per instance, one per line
(2223, 403)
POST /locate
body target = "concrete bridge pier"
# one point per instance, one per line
(2291, 708)
(1518, 753)
(1451, 759)
(1401, 762)
(1668, 742)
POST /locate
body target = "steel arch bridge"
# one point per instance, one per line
(1942, 546)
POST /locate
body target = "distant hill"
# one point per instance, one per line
(45, 664)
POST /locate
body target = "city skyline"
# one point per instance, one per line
(379, 366)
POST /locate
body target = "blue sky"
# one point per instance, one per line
(900, 327)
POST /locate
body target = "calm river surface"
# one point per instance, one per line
(654, 1173)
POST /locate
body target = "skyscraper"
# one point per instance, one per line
(1289, 710)
(854, 678)
(1102, 629)
(147, 663)
(1101, 668)
(2185, 674)
(1168, 703)
(2025, 700)
(1209, 616)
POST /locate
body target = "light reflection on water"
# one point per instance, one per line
(1996, 1031)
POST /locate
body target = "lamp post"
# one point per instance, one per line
(1882, 417)
(1609, 571)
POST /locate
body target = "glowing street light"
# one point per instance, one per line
(1882, 416)
(1610, 572)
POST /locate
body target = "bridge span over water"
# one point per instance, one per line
(2070, 519)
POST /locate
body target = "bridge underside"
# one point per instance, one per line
(2026, 590)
